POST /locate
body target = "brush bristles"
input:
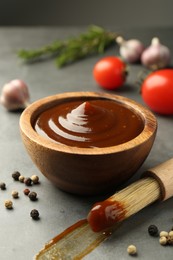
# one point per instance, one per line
(138, 195)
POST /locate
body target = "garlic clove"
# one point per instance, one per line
(130, 50)
(15, 95)
(156, 56)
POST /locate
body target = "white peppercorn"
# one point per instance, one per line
(15, 194)
(35, 179)
(163, 234)
(8, 204)
(21, 178)
(163, 240)
(131, 250)
(171, 234)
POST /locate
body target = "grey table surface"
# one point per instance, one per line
(21, 237)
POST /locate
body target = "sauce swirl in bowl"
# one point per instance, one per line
(93, 123)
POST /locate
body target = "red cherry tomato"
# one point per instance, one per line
(110, 72)
(157, 91)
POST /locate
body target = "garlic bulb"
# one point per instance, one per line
(130, 50)
(156, 56)
(15, 95)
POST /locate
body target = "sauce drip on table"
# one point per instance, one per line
(73, 243)
(93, 123)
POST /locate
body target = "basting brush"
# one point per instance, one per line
(104, 217)
(157, 183)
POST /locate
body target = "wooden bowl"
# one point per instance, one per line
(86, 171)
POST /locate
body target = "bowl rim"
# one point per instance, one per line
(25, 124)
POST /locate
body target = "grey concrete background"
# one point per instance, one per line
(120, 13)
(20, 237)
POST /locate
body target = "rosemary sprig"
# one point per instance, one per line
(94, 41)
(44, 52)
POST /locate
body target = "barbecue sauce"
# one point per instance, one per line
(93, 123)
(105, 214)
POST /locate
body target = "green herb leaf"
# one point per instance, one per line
(94, 41)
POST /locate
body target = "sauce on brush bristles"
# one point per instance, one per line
(123, 204)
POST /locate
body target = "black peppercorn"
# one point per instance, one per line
(153, 230)
(15, 175)
(2, 186)
(28, 181)
(34, 214)
(33, 196)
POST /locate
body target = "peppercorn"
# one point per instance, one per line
(132, 250)
(15, 194)
(163, 240)
(26, 191)
(170, 240)
(34, 214)
(33, 196)
(15, 175)
(35, 179)
(153, 230)
(170, 233)
(21, 178)
(28, 181)
(8, 204)
(163, 234)
(2, 186)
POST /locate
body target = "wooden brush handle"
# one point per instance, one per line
(163, 173)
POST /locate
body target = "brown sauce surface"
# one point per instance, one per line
(93, 123)
(105, 214)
